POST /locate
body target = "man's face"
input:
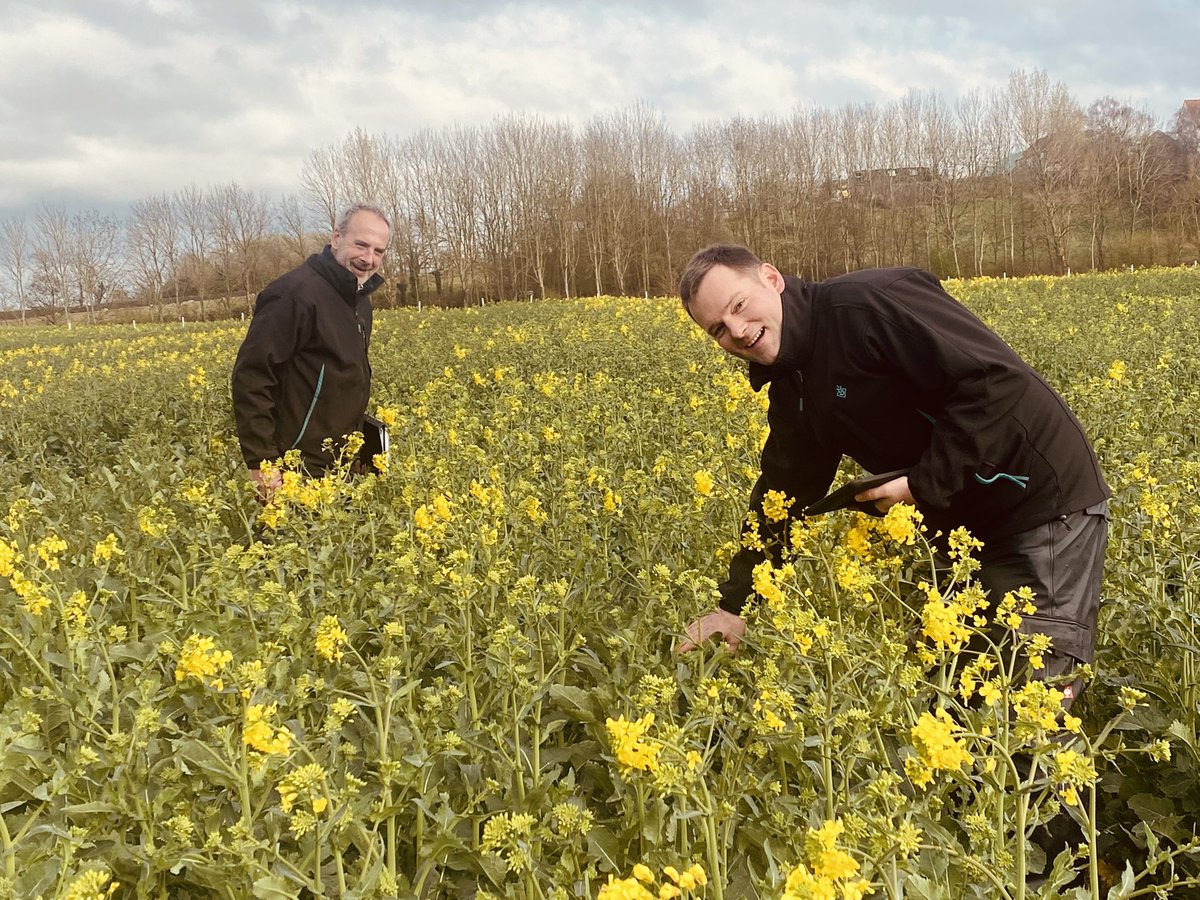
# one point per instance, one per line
(741, 311)
(360, 249)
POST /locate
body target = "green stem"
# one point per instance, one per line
(1093, 861)
(827, 739)
(10, 859)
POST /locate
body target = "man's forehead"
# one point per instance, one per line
(722, 282)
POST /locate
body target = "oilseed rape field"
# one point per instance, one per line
(458, 677)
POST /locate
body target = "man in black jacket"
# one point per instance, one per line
(302, 374)
(884, 366)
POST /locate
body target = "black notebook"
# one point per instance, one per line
(375, 442)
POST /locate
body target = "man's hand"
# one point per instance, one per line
(729, 627)
(264, 485)
(888, 494)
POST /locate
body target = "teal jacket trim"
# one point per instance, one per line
(1021, 481)
(313, 405)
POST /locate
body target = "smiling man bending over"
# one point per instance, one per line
(885, 367)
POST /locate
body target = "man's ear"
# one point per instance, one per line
(772, 276)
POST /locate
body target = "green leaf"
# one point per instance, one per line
(1149, 807)
(1126, 885)
(274, 887)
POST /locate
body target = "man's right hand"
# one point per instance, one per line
(719, 622)
(266, 486)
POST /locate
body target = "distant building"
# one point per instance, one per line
(874, 184)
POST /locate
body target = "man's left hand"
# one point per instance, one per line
(718, 623)
(888, 494)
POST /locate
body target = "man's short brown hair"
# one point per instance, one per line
(732, 256)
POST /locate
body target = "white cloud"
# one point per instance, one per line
(110, 102)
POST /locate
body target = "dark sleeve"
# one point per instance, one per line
(971, 376)
(795, 463)
(276, 330)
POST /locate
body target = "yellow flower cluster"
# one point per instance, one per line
(305, 783)
(330, 640)
(106, 549)
(533, 509)
(1008, 613)
(1037, 706)
(48, 550)
(259, 734)
(154, 521)
(944, 621)
(200, 659)
(635, 752)
(508, 835)
(775, 506)
(489, 497)
(91, 885)
(637, 886)
(75, 615)
(1072, 770)
(937, 749)
(302, 795)
(772, 706)
(830, 871)
(768, 581)
(975, 677)
(9, 557)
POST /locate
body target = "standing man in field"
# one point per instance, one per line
(302, 374)
(885, 367)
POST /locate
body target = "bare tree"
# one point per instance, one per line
(97, 261)
(1050, 125)
(53, 254)
(154, 248)
(295, 220)
(320, 178)
(239, 220)
(15, 256)
(191, 208)
(455, 195)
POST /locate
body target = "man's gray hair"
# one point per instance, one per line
(344, 221)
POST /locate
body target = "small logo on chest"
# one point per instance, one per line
(839, 391)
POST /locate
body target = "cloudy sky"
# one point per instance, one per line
(103, 102)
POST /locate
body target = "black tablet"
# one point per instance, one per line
(844, 496)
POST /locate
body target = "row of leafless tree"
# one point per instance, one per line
(1017, 180)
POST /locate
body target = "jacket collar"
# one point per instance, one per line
(796, 334)
(341, 278)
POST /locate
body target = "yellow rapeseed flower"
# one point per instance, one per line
(91, 885)
(9, 556)
(200, 659)
(259, 734)
(775, 506)
(634, 751)
(106, 549)
(936, 748)
(330, 639)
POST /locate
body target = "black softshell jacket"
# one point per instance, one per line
(302, 373)
(885, 367)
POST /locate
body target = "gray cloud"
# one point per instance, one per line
(103, 103)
